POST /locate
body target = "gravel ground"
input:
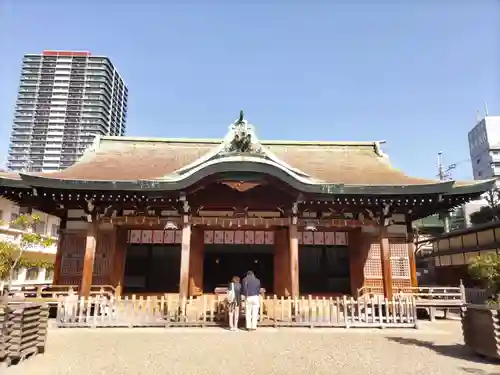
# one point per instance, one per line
(434, 349)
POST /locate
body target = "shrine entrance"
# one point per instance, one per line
(152, 268)
(222, 262)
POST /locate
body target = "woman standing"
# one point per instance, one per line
(234, 302)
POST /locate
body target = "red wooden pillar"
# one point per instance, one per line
(294, 260)
(282, 280)
(118, 267)
(410, 242)
(88, 263)
(185, 254)
(385, 256)
(60, 247)
(358, 252)
(196, 261)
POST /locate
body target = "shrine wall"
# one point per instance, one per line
(364, 244)
(370, 257)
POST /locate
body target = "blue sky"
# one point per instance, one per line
(411, 72)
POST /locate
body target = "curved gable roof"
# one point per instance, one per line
(170, 164)
(127, 158)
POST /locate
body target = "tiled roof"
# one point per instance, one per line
(124, 158)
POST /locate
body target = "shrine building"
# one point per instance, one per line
(153, 216)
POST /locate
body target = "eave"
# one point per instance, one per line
(325, 190)
(473, 188)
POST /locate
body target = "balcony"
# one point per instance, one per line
(23, 114)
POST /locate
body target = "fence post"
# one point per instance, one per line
(414, 311)
(462, 292)
(118, 290)
(345, 311)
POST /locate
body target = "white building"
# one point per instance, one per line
(484, 148)
(47, 227)
(65, 99)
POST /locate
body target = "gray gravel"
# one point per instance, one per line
(434, 349)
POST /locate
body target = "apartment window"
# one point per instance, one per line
(13, 217)
(40, 227)
(478, 160)
(32, 274)
(49, 275)
(16, 273)
(54, 231)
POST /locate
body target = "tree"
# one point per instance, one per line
(424, 231)
(493, 197)
(486, 268)
(11, 255)
(421, 239)
(485, 215)
(6, 253)
(488, 213)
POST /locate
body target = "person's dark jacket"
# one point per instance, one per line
(237, 292)
(251, 286)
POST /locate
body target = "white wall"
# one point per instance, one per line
(43, 277)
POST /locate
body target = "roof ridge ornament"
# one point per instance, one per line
(378, 149)
(241, 118)
(241, 141)
(242, 138)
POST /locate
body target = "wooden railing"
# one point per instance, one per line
(100, 311)
(44, 293)
(432, 295)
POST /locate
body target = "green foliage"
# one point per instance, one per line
(486, 268)
(35, 263)
(7, 251)
(11, 255)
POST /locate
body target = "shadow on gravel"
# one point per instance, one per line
(454, 351)
(476, 371)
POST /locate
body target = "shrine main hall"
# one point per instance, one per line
(154, 216)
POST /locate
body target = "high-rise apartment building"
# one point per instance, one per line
(65, 99)
(484, 147)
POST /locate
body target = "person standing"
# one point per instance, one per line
(251, 291)
(234, 302)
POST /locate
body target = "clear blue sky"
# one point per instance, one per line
(412, 74)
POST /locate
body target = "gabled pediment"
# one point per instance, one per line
(241, 141)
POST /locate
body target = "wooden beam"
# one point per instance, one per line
(88, 263)
(185, 254)
(294, 260)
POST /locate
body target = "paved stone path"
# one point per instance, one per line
(435, 349)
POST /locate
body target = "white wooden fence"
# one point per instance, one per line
(104, 311)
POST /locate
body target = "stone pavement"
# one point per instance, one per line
(434, 349)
